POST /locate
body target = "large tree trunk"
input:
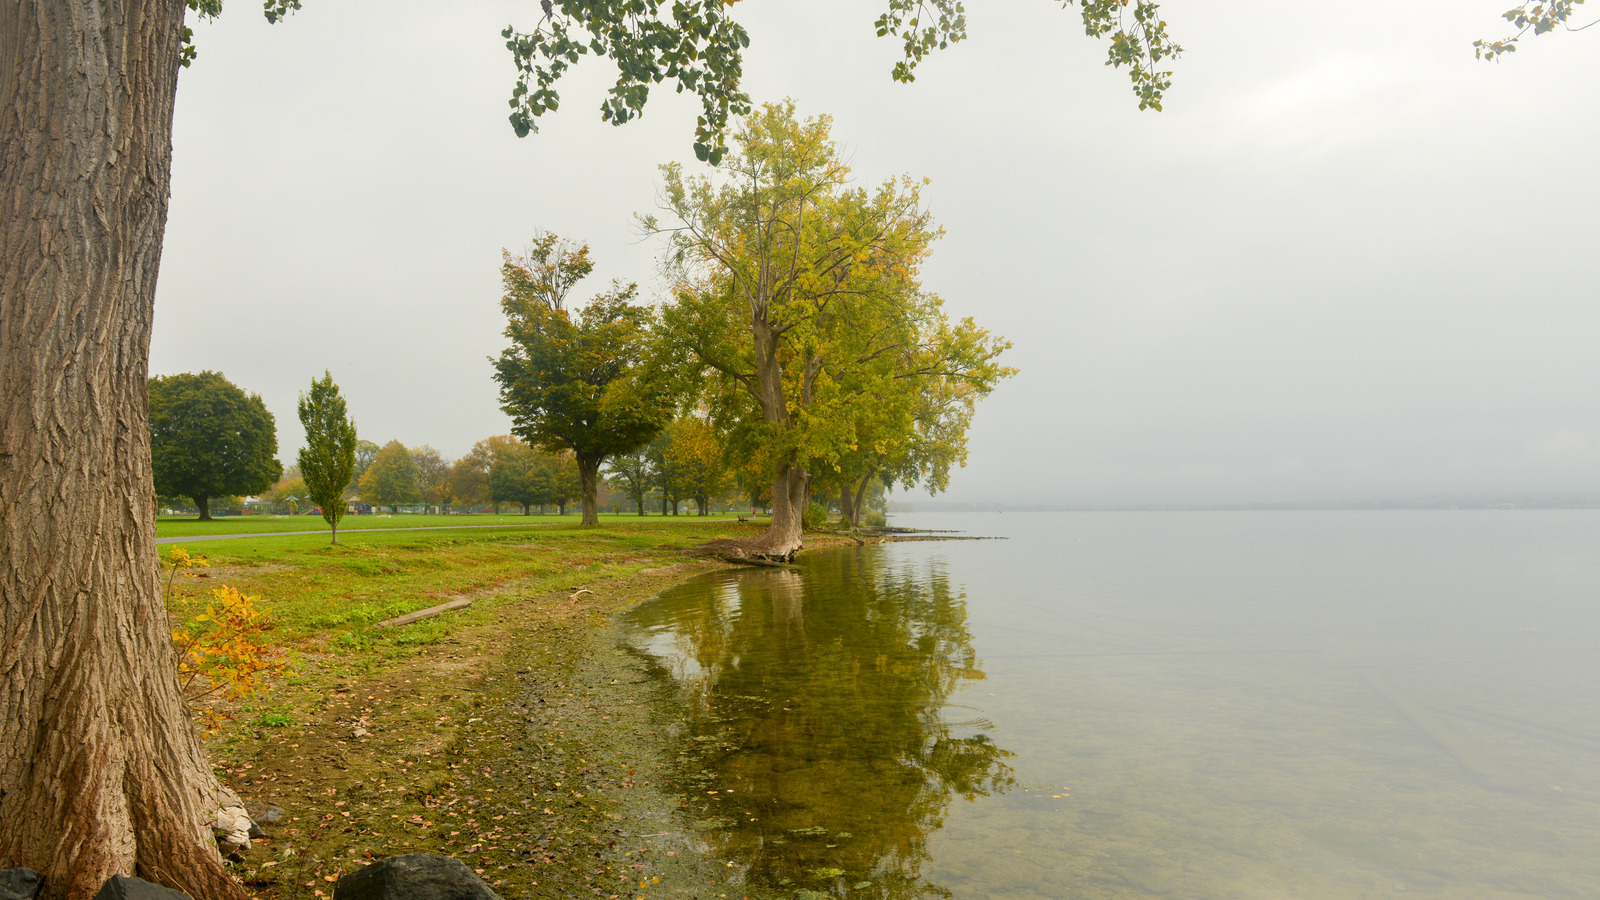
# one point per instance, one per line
(203, 503)
(847, 509)
(101, 771)
(589, 476)
(782, 539)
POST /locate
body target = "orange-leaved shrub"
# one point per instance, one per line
(222, 651)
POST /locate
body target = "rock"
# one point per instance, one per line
(359, 733)
(232, 828)
(122, 887)
(20, 884)
(414, 876)
(272, 814)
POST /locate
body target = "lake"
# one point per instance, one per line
(1151, 704)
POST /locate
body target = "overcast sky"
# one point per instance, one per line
(1348, 263)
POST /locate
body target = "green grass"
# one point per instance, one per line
(188, 526)
(326, 597)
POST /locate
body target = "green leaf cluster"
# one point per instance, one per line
(1537, 16)
(699, 45)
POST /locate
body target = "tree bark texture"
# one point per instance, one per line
(204, 504)
(782, 539)
(589, 478)
(101, 771)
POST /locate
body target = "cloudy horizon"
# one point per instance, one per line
(1348, 264)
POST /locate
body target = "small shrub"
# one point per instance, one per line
(274, 720)
(813, 517)
(874, 518)
(221, 650)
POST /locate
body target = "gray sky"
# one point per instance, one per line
(1348, 263)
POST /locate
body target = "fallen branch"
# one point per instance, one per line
(421, 614)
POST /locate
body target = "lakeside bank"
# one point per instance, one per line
(514, 735)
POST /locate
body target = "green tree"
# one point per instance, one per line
(521, 475)
(366, 452)
(328, 460)
(392, 478)
(633, 473)
(914, 429)
(210, 439)
(469, 475)
(575, 381)
(799, 306)
(433, 474)
(694, 455)
(566, 484)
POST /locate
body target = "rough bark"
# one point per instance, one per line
(847, 509)
(589, 478)
(203, 503)
(782, 539)
(101, 771)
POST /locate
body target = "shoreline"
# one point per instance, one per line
(584, 804)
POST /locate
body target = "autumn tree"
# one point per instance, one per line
(392, 478)
(88, 88)
(575, 380)
(694, 456)
(633, 474)
(469, 475)
(328, 460)
(433, 474)
(210, 439)
(366, 452)
(799, 301)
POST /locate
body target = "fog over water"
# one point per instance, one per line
(1349, 263)
(1322, 705)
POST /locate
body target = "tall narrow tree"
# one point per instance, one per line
(329, 456)
(575, 381)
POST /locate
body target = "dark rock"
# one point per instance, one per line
(415, 876)
(20, 884)
(122, 887)
(255, 832)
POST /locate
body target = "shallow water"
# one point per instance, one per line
(1239, 705)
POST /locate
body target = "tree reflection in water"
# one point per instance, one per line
(818, 747)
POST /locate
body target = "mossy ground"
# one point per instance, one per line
(513, 735)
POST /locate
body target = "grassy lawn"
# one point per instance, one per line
(513, 734)
(189, 526)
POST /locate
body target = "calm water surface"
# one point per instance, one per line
(1206, 705)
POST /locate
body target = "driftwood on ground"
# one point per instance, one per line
(421, 614)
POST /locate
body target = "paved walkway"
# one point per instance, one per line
(256, 534)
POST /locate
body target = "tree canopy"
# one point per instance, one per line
(392, 478)
(799, 310)
(328, 460)
(574, 380)
(210, 439)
